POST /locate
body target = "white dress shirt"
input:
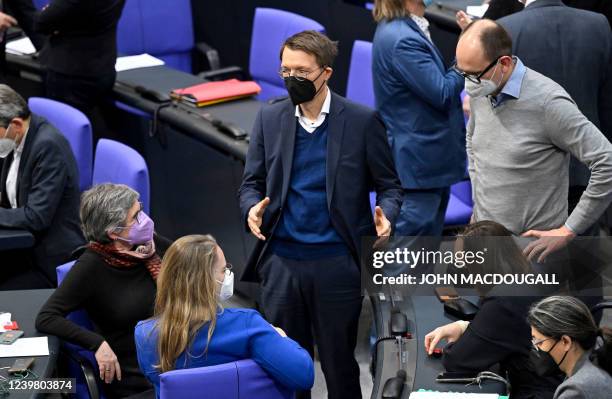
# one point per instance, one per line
(11, 178)
(307, 124)
(528, 2)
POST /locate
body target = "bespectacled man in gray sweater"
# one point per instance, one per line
(522, 129)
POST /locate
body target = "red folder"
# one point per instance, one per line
(216, 92)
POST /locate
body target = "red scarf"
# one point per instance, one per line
(121, 258)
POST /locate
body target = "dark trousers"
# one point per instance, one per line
(318, 301)
(83, 93)
(422, 212)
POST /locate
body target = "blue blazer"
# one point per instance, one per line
(574, 48)
(419, 102)
(358, 161)
(239, 334)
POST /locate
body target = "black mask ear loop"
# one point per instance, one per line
(322, 84)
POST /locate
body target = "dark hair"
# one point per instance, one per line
(495, 40)
(504, 255)
(557, 316)
(313, 43)
(12, 105)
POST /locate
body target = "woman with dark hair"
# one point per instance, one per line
(190, 327)
(499, 333)
(565, 338)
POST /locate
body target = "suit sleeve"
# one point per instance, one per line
(71, 295)
(253, 188)
(382, 170)
(418, 70)
(49, 177)
(281, 357)
(56, 15)
(25, 14)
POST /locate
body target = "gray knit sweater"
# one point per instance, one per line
(519, 159)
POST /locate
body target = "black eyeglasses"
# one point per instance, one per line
(475, 77)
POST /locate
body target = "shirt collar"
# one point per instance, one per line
(324, 109)
(19, 148)
(512, 88)
(529, 2)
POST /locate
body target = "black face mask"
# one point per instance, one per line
(301, 91)
(543, 362)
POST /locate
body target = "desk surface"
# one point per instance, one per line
(15, 239)
(24, 307)
(424, 313)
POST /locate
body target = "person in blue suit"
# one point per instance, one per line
(418, 98)
(312, 161)
(190, 328)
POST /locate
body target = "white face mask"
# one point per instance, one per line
(6, 145)
(486, 87)
(227, 286)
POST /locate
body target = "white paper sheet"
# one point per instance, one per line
(38, 346)
(452, 395)
(137, 61)
(21, 46)
(477, 11)
(5, 318)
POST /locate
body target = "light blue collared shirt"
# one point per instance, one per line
(512, 88)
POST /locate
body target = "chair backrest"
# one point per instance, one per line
(117, 163)
(359, 87)
(39, 4)
(243, 379)
(78, 316)
(463, 191)
(161, 28)
(75, 126)
(270, 29)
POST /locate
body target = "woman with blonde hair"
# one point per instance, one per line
(190, 328)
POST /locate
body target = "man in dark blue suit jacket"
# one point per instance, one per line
(40, 194)
(418, 98)
(574, 48)
(311, 164)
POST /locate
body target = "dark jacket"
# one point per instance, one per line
(418, 98)
(24, 12)
(82, 36)
(48, 196)
(499, 334)
(358, 161)
(574, 48)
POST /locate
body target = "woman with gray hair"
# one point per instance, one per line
(566, 339)
(114, 281)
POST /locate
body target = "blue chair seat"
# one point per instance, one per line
(243, 379)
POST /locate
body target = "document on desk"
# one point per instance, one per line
(452, 395)
(477, 11)
(38, 346)
(137, 61)
(21, 46)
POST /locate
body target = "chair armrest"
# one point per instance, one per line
(223, 73)
(88, 373)
(601, 306)
(207, 56)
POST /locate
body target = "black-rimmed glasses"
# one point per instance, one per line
(475, 77)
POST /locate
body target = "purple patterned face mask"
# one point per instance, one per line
(141, 232)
